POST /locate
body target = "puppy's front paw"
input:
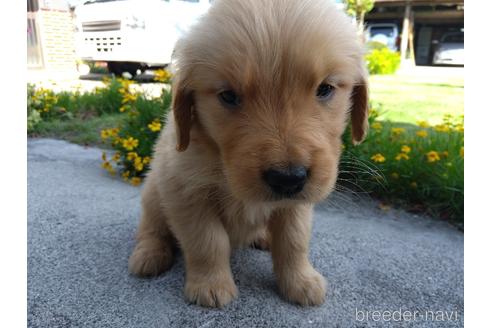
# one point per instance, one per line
(150, 258)
(305, 287)
(211, 292)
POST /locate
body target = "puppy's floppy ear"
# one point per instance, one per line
(360, 110)
(182, 106)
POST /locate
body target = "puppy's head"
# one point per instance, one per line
(272, 84)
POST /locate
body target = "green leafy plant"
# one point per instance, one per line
(382, 61)
(33, 115)
(134, 139)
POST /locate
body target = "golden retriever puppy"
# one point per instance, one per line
(262, 93)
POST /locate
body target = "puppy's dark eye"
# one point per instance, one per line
(324, 91)
(229, 98)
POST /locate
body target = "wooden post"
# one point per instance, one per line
(411, 38)
(405, 32)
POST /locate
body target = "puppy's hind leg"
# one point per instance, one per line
(153, 253)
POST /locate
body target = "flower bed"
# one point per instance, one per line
(422, 165)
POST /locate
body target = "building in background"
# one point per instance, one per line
(50, 36)
(423, 25)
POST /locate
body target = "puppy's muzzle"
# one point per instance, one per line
(286, 182)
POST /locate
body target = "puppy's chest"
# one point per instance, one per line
(245, 224)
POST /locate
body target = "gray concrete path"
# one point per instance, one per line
(81, 224)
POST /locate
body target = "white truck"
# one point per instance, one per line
(385, 33)
(132, 35)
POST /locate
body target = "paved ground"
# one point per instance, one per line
(81, 223)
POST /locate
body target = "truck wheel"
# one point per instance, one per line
(115, 68)
(118, 68)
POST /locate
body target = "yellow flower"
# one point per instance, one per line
(116, 157)
(433, 156)
(128, 97)
(130, 143)
(104, 156)
(445, 154)
(377, 126)
(441, 128)
(125, 83)
(122, 91)
(125, 175)
(459, 128)
(397, 131)
(162, 75)
(106, 80)
(373, 112)
(462, 152)
(155, 126)
(146, 160)
(421, 133)
(401, 156)
(395, 175)
(139, 166)
(413, 185)
(116, 141)
(423, 124)
(107, 166)
(135, 181)
(405, 149)
(131, 156)
(105, 134)
(137, 163)
(378, 158)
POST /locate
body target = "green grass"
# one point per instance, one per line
(409, 99)
(83, 131)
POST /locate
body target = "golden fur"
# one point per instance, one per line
(205, 187)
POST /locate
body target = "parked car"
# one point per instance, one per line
(385, 33)
(133, 34)
(450, 49)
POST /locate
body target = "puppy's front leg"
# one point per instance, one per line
(206, 248)
(298, 281)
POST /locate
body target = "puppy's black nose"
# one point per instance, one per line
(286, 182)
